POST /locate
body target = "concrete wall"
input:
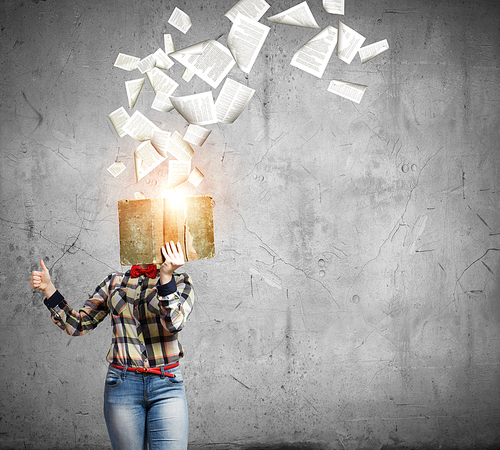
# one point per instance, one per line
(354, 299)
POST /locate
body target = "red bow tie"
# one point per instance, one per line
(149, 271)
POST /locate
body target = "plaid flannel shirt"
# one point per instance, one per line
(145, 317)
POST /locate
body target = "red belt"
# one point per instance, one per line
(154, 370)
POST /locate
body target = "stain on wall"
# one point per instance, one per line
(353, 302)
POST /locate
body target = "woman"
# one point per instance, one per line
(144, 397)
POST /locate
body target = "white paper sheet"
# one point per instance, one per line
(146, 159)
(334, 6)
(162, 102)
(118, 118)
(196, 177)
(161, 82)
(168, 43)
(245, 41)
(160, 140)
(370, 51)
(139, 127)
(350, 91)
(254, 9)
(178, 172)
(147, 63)
(126, 62)
(180, 20)
(198, 109)
(162, 60)
(349, 42)
(196, 135)
(116, 168)
(133, 88)
(179, 148)
(314, 55)
(232, 100)
(300, 16)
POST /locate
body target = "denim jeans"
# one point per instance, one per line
(145, 410)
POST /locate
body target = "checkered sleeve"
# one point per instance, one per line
(79, 322)
(175, 308)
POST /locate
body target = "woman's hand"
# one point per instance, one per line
(174, 258)
(41, 280)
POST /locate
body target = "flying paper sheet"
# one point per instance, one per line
(254, 9)
(180, 20)
(209, 60)
(334, 6)
(300, 16)
(372, 50)
(196, 135)
(118, 118)
(161, 82)
(179, 148)
(126, 62)
(187, 75)
(146, 159)
(349, 43)
(162, 60)
(162, 102)
(160, 140)
(245, 40)
(197, 109)
(313, 56)
(168, 43)
(232, 100)
(178, 172)
(147, 225)
(147, 63)
(139, 127)
(133, 88)
(351, 91)
(196, 177)
(116, 169)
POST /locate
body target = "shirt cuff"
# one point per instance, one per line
(167, 289)
(53, 300)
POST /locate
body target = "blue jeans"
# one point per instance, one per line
(146, 410)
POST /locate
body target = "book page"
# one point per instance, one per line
(232, 100)
(180, 20)
(209, 60)
(161, 82)
(196, 135)
(178, 172)
(372, 50)
(198, 109)
(126, 62)
(147, 63)
(116, 169)
(139, 127)
(196, 177)
(118, 118)
(187, 75)
(334, 6)
(349, 42)
(245, 40)
(179, 148)
(299, 16)
(351, 91)
(162, 60)
(133, 88)
(160, 140)
(146, 159)
(254, 9)
(168, 43)
(314, 55)
(162, 102)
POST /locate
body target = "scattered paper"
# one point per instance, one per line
(146, 159)
(178, 172)
(196, 135)
(300, 16)
(160, 140)
(126, 62)
(370, 51)
(197, 109)
(351, 91)
(162, 61)
(209, 60)
(245, 40)
(118, 118)
(314, 55)
(179, 148)
(180, 20)
(196, 177)
(133, 88)
(232, 100)
(116, 169)
(147, 63)
(139, 127)
(161, 82)
(254, 9)
(334, 6)
(168, 43)
(162, 102)
(187, 75)
(349, 43)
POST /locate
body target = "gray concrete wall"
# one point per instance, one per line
(354, 299)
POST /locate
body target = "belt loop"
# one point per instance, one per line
(162, 372)
(124, 371)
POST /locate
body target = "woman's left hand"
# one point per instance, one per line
(174, 258)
